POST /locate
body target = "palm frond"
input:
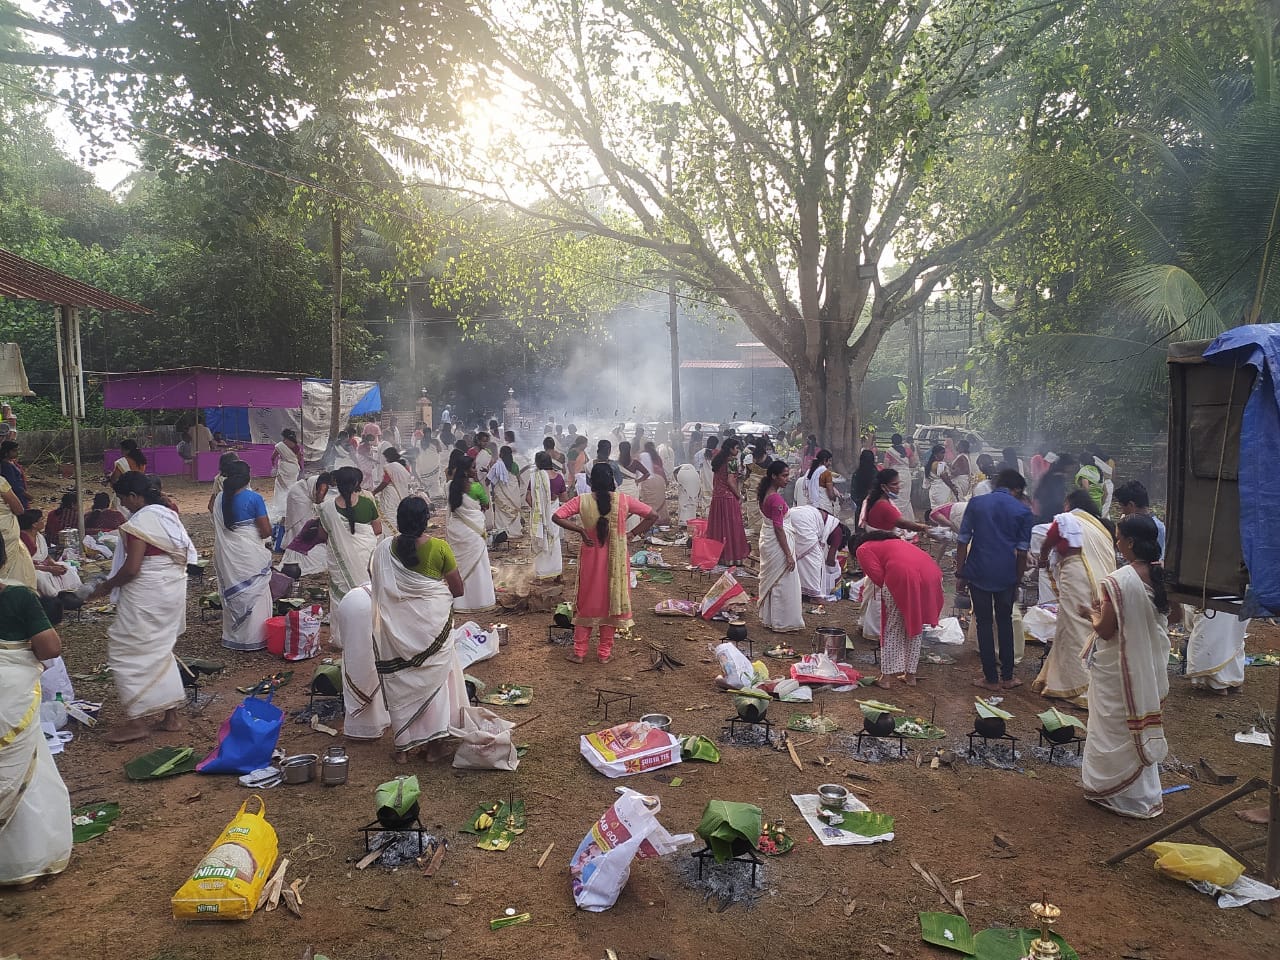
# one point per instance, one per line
(1101, 355)
(1169, 301)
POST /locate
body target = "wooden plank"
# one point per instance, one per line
(545, 853)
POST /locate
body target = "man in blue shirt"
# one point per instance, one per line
(994, 538)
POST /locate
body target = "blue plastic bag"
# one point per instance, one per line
(277, 537)
(246, 739)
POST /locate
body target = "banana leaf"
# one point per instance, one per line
(987, 710)
(92, 820)
(508, 823)
(1056, 720)
(1003, 943)
(161, 762)
(867, 824)
(873, 708)
(947, 930)
(699, 748)
(726, 825)
(399, 794)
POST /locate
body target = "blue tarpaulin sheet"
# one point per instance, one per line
(371, 402)
(1258, 346)
(231, 422)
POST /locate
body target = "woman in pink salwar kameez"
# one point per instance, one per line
(724, 521)
(604, 564)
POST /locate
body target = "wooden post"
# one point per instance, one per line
(1257, 783)
(1272, 874)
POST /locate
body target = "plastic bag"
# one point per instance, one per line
(302, 632)
(705, 552)
(486, 741)
(948, 630)
(246, 739)
(676, 608)
(1195, 861)
(473, 643)
(225, 884)
(628, 830)
(734, 665)
(726, 591)
(632, 747)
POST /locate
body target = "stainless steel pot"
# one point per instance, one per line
(300, 768)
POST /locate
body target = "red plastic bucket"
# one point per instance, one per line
(275, 635)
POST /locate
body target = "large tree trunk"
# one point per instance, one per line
(335, 326)
(829, 408)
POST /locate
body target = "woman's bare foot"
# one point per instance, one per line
(1255, 814)
(606, 659)
(400, 757)
(1010, 684)
(171, 723)
(573, 658)
(909, 679)
(133, 730)
(883, 682)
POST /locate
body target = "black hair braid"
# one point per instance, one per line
(411, 520)
(348, 480)
(1141, 530)
(237, 478)
(602, 485)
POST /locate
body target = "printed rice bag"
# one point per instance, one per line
(225, 884)
(632, 747)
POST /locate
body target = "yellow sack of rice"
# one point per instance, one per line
(227, 882)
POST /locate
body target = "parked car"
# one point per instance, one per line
(926, 436)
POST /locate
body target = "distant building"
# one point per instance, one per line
(752, 380)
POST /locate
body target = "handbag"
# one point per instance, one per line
(246, 739)
(311, 535)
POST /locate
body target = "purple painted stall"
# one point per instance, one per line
(193, 388)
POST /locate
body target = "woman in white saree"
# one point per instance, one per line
(508, 494)
(240, 524)
(35, 808)
(395, 485)
(414, 582)
(148, 584)
(780, 604)
(546, 495)
(689, 484)
(810, 529)
(52, 578)
(365, 714)
(353, 526)
(634, 475)
(1215, 652)
(1083, 553)
(304, 497)
(1128, 679)
(430, 465)
(466, 536)
(286, 468)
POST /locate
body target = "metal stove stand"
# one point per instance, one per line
(748, 857)
(986, 741)
(1078, 741)
(732, 723)
(902, 741)
(374, 828)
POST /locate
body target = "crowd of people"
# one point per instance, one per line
(361, 516)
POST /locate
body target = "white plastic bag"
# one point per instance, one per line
(735, 666)
(948, 630)
(486, 741)
(1041, 623)
(473, 643)
(628, 830)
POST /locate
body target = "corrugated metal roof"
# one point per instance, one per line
(769, 362)
(25, 279)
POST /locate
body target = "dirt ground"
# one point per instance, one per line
(112, 903)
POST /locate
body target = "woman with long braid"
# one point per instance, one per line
(240, 524)
(353, 525)
(414, 580)
(465, 531)
(604, 566)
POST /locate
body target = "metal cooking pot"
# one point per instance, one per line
(300, 768)
(659, 721)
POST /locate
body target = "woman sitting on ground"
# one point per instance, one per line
(102, 518)
(52, 577)
(414, 580)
